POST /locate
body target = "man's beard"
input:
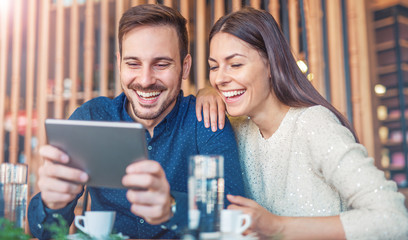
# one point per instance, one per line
(163, 107)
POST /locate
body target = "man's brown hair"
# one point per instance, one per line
(154, 15)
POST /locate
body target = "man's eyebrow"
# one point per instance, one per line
(154, 59)
(228, 57)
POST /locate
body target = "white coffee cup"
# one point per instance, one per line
(97, 224)
(234, 221)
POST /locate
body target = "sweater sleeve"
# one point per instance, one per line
(375, 210)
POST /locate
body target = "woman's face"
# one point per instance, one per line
(240, 73)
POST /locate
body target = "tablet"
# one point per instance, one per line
(102, 149)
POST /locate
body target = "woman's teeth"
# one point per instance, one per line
(233, 93)
(147, 94)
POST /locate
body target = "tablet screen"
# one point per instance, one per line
(102, 149)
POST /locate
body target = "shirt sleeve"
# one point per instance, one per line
(39, 216)
(375, 210)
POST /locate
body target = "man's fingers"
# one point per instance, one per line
(60, 171)
(54, 154)
(145, 166)
(57, 198)
(58, 186)
(143, 181)
(145, 197)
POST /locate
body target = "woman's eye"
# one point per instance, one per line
(236, 65)
(212, 68)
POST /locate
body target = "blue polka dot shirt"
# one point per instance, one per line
(178, 136)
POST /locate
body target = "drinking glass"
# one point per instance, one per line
(13, 192)
(206, 193)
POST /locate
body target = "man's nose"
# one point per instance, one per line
(147, 77)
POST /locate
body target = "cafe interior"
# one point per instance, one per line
(57, 54)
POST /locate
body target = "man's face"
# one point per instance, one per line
(151, 71)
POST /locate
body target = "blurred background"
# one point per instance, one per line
(57, 54)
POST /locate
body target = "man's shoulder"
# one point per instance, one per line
(99, 108)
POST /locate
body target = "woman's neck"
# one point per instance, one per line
(269, 117)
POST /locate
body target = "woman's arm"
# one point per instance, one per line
(273, 226)
(210, 103)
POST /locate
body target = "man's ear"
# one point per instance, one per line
(186, 66)
(118, 60)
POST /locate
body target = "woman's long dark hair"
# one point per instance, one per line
(259, 29)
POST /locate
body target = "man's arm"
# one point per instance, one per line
(60, 187)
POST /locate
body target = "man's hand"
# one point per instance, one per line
(149, 191)
(59, 184)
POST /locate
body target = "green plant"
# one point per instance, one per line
(8, 231)
(60, 229)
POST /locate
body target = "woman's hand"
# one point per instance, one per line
(263, 222)
(210, 102)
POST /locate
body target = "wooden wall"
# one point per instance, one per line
(54, 56)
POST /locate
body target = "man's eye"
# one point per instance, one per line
(131, 64)
(162, 65)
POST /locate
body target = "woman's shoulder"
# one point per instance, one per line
(316, 114)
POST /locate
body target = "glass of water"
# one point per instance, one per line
(13, 192)
(206, 194)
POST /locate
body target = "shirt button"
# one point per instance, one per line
(149, 148)
(163, 227)
(39, 226)
(141, 221)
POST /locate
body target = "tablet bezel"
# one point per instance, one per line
(112, 150)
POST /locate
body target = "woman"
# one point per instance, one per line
(304, 170)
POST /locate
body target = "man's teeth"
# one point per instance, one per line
(147, 94)
(233, 93)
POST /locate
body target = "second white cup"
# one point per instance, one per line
(97, 224)
(234, 221)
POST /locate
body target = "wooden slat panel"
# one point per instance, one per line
(256, 4)
(168, 3)
(360, 43)
(314, 15)
(185, 11)
(236, 5)
(120, 8)
(104, 38)
(336, 56)
(274, 9)
(59, 61)
(219, 10)
(201, 44)
(151, 1)
(31, 37)
(42, 78)
(4, 43)
(137, 2)
(15, 78)
(74, 56)
(89, 49)
(293, 7)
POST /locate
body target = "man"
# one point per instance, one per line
(153, 59)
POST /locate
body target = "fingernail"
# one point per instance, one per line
(64, 158)
(221, 126)
(207, 125)
(83, 177)
(214, 128)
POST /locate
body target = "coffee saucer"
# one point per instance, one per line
(81, 236)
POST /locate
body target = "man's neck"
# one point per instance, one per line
(149, 124)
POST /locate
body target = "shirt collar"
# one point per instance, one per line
(167, 121)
